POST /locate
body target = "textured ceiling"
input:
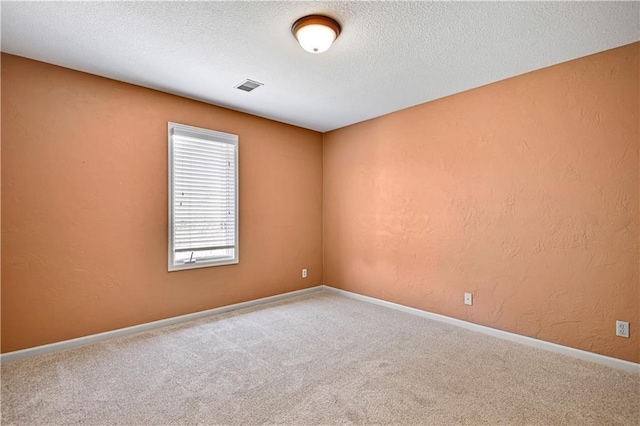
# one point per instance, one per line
(390, 55)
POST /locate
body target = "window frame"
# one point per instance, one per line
(213, 136)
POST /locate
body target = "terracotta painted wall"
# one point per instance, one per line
(84, 206)
(523, 192)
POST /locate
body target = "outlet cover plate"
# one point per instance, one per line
(468, 299)
(622, 329)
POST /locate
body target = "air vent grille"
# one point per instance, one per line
(248, 85)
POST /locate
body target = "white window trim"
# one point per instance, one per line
(218, 137)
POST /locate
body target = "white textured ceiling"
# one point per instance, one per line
(390, 55)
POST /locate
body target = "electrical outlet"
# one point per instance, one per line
(468, 299)
(622, 329)
(304, 273)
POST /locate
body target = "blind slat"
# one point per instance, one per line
(212, 170)
(204, 145)
(190, 223)
(180, 157)
(198, 231)
(219, 240)
(198, 247)
(204, 241)
(189, 198)
(204, 142)
(189, 155)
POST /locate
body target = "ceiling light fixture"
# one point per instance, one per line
(315, 33)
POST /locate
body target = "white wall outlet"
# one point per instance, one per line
(468, 299)
(622, 328)
(304, 273)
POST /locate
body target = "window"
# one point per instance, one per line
(203, 198)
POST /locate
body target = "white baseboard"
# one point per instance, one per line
(93, 338)
(553, 347)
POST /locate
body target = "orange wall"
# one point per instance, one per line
(523, 192)
(84, 197)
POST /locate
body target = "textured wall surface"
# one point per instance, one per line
(84, 197)
(523, 192)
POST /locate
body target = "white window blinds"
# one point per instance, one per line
(203, 197)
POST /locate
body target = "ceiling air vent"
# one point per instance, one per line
(248, 85)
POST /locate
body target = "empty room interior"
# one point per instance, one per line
(320, 213)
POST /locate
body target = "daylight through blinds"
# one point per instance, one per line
(204, 197)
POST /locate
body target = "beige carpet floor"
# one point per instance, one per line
(315, 359)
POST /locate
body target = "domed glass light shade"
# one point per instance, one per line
(315, 33)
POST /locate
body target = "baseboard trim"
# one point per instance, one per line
(94, 338)
(529, 341)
